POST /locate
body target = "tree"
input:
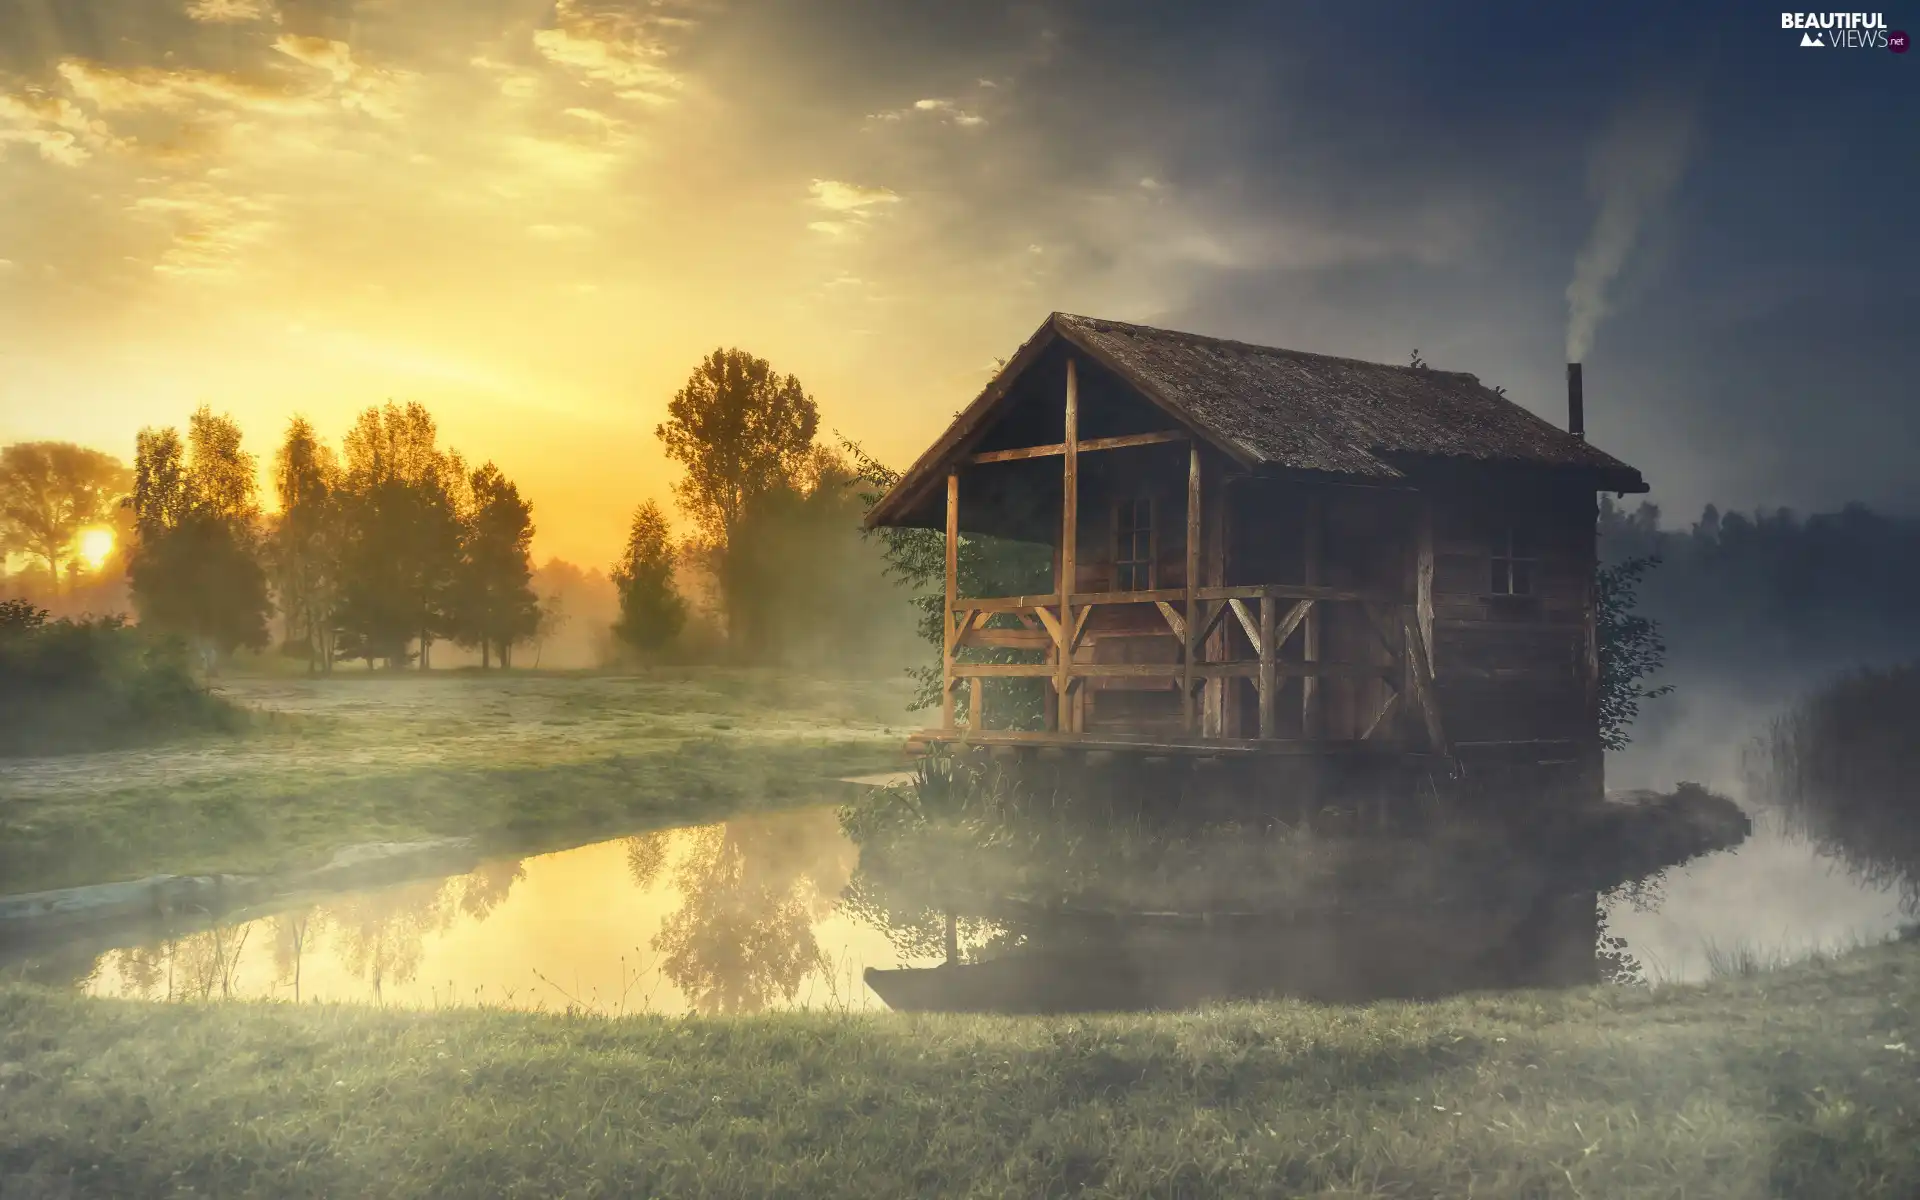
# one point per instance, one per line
(195, 569)
(402, 508)
(1630, 649)
(742, 432)
(493, 604)
(306, 542)
(651, 611)
(50, 493)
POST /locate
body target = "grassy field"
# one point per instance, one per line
(1796, 1082)
(521, 761)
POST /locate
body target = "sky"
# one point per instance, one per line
(535, 216)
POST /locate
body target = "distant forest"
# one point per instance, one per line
(1774, 596)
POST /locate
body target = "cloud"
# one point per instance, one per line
(614, 47)
(228, 12)
(210, 229)
(117, 89)
(1635, 166)
(53, 125)
(835, 196)
(371, 90)
(943, 109)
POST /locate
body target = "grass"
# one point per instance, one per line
(1796, 1082)
(521, 761)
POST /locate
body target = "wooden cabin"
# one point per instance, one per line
(1263, 551)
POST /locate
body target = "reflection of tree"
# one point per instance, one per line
(381, 935)
(291, 931)
(482, 890)
(751, 890)
(194, 966)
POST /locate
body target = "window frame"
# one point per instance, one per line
(1508, 565)
(1125, 568)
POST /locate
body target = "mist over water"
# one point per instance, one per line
(1775, 894)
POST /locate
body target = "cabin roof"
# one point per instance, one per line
(1289, 410)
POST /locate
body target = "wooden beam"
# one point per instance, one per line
(1069, 542)
(1310, 640)
(1247, 623)
(1269, 682)
(1079, 628)
(1009, 639)
(1422, 679)
(1192, 589)
(1207, 626)
(1175, 621)
(1172, 672)
(953, 593)
(1381, 718)
(976, 705)
(1291, 622)
(1060, 448)
(1053, 626)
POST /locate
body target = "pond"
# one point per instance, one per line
(736, 917)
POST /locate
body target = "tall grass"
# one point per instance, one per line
(1844, 767)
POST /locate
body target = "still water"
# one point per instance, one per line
(737, 917)
(748, 915)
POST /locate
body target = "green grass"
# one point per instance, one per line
(1797, 1082)
(521, 761)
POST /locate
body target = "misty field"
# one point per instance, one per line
(1798, 1082)
(518, 761)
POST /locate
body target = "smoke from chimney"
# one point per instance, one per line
(1576, 403)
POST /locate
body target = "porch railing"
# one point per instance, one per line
(1269, 615)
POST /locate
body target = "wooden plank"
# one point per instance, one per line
(1175, 621)
(1053, 626)
(1310, 640)
(1281, 591)
(976, 704)
(1269, 682)
(1156, 438)
(1422, 680)
(1172, 672)
(1069, 543)
(1190, 601)
(1206, 627)
(1247, 623)
(953, 593)
(1009, 639)
(1148, 596)
(1423, 572)
(1382, 718)
(1079, 628)
(1158, 743)
(1291, 622)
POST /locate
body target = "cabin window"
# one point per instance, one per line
(1133, 544)
(1515, 562)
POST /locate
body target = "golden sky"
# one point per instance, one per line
(534, 218)
(536, 215)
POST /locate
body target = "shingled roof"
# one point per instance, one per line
(1290, 410)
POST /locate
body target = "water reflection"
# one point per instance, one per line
(735, 917)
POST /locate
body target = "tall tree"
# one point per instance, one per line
(402, 505)
(51, 492)
(651, 611)
(494, 603)
(742, 432)
(195, 569)
(306, 543)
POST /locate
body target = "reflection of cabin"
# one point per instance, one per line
(1273, 552)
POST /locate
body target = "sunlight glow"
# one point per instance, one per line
(95, 546)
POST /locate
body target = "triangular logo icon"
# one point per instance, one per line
(1808, 39)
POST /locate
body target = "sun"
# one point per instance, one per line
(95, 546)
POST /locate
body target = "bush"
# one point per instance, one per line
(72, 685)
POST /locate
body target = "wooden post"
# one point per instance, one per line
(1269, 676)
(1190, 640)
(1310, 635)
(1069, 537)
(953, 595)
(976, 705)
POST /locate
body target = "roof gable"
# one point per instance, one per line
(1286, 410)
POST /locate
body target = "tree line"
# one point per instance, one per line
(377, 551)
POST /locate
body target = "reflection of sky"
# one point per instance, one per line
(576, 917)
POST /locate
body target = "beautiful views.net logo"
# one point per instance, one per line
(1851, 31)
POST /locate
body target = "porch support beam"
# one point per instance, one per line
(947, 629)
(1190, 646)
(1069, 537)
